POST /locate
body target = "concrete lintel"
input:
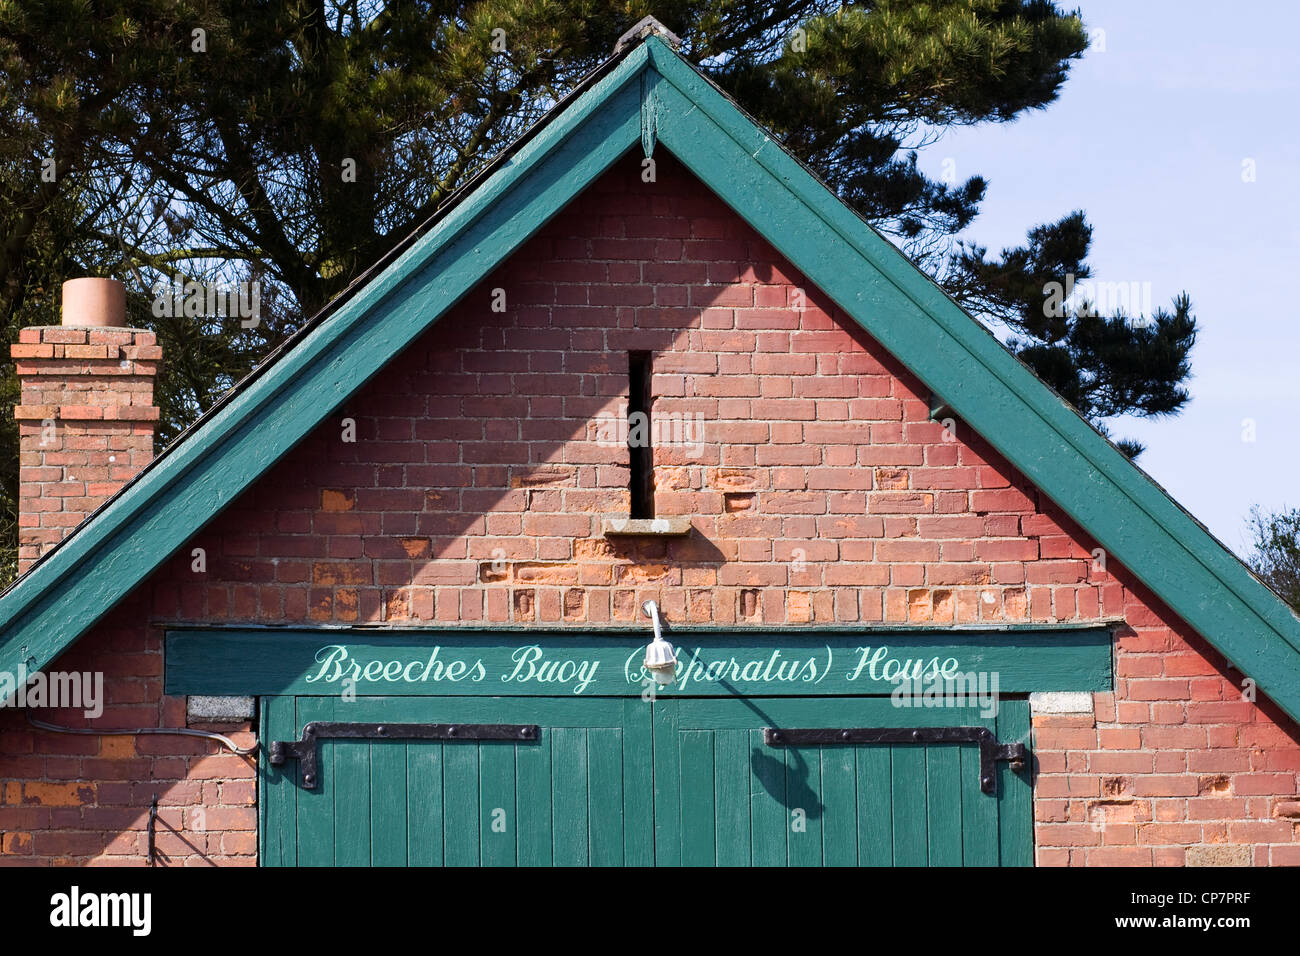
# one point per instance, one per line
(1061, 702)
(216, 709)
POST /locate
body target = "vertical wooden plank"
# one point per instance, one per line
(605, 795)
(263, 775)
(638, 783)
(667, 784)
(351, 773)
(533, 793)
(803, 805)
(768, 818)
(840, 813)
(979, 814)
(875, 777)
(910, 804)
(731, 796)
(571, 825)
(498, 822)
(943, 803)
(424, 824)
(1015, 791)
(315, 807)
(460, 806)
(388, 794)
(697, 807)
(277, 786)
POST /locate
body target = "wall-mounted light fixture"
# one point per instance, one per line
(660, 658)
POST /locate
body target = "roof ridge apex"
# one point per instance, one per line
(646, 27)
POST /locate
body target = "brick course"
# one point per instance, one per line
(820, 492)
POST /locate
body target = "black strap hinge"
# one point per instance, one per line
(304, 750)
(991, 751)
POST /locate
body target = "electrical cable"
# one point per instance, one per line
(182, 731)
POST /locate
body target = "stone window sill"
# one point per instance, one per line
(671, 527)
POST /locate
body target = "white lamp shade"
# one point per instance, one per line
(661, 661)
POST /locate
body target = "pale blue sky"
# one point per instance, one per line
(1149, 138)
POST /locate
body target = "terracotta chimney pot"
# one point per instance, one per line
(94, 303)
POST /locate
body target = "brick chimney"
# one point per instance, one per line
(86, 416)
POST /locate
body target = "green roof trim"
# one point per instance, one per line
(655, 99)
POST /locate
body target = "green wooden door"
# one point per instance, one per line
(618, 781)
(725, 798)
(580, 795)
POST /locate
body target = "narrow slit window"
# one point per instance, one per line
(640, 452)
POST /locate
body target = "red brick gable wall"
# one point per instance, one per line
(821, 492)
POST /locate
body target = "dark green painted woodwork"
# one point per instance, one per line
(313, 811)
(277, 792)
(725, 798)
(630, 782)
(1015, 795)
(578, 796)
(600, 664)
